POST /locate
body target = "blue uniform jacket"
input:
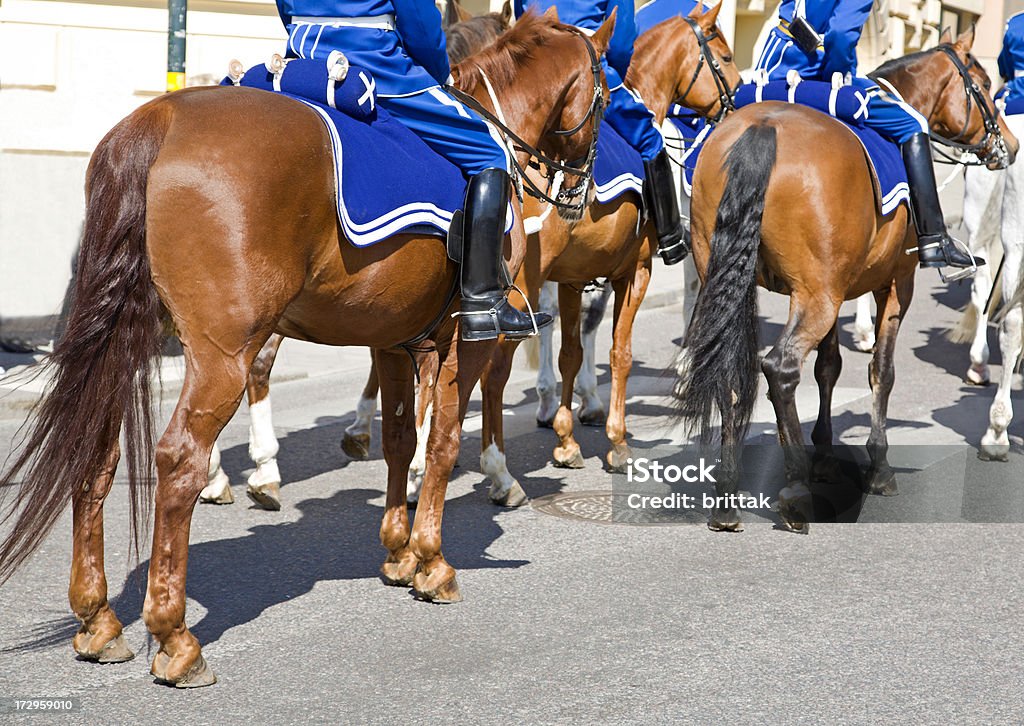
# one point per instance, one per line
(589, 14)
(658, 11)
(1011, 58)
(404, 62)
(840, 22)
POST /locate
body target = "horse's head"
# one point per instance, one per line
(468, 35)
(548, 81)
(952, 89)
(686, 61)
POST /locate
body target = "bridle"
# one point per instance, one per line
(573, 198)
(725, 93)
(993, 138)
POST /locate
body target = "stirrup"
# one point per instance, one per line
(493, 312)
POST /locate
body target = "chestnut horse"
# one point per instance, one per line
(677, 60)
(465, 35)
(768, 210)
(229, 273)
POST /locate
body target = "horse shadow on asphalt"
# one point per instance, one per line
(235, 579)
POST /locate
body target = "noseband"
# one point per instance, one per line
(993, 136)
(725, 93)
(573, 198)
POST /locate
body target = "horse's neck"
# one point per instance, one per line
(652, 74)
(922, 97)
(527, 113)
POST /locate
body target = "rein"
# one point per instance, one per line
(582, 167)
(725, 94)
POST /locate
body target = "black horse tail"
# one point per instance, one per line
(100, 369)
(719, 368)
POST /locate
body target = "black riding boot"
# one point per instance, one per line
(935, 248)
(660, 195)
(486, 312)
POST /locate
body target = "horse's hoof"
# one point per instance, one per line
(399, 572)
(513, 497)
(197, 676)
(569, 457)
(546, 423)
(978, 376)
(725, 520)
(796, 508)
(591, 416)
(618, 458)
(115, 651)
(265, 496)
(357, 446)
(439, 586)
(217, 491)
(883, 483)
(994, 452)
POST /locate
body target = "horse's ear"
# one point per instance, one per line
(966, 40)
(707, 20)
(551, 13)
(463, 14)
(603, 36)
(946, 36)
(506, 12)
(697, 11)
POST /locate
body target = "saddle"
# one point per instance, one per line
(379, 164)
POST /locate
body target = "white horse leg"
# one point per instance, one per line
(995, 444)
(218, 489)
(356, 441)
(419, 460)
(547, 402)
(265, 483)
(978, 373)
(863, 326)
(591, 410)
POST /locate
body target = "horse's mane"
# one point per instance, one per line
(673, 27)
(898, 65)
(501, 60)
(478, 32)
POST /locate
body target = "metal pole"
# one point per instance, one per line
(177, 10)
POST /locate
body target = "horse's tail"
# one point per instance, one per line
(719, 369)
(100, 368)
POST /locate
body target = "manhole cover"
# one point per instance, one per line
(605, 507)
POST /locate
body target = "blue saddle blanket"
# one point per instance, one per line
(618, 167)
(380, 165)
(847, 104)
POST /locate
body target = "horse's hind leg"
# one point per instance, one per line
(505, 491)
(428, 364)
(398, 414)
(214, 383)
(99, 639)
(567, 453)
(995, 444)
(264, 485)
(809, 323)
(356, 441)
(892, 306)
(629, 293)
(827, 367)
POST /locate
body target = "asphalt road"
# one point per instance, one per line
(564, 620)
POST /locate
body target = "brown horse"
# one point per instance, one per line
(465, 35)
(180, 222)
(768, 210)
(611, 241)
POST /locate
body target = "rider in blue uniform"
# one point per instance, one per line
(1011, 58)
(658, 11)
(626, 112)
(838, 25)
(401, 42)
